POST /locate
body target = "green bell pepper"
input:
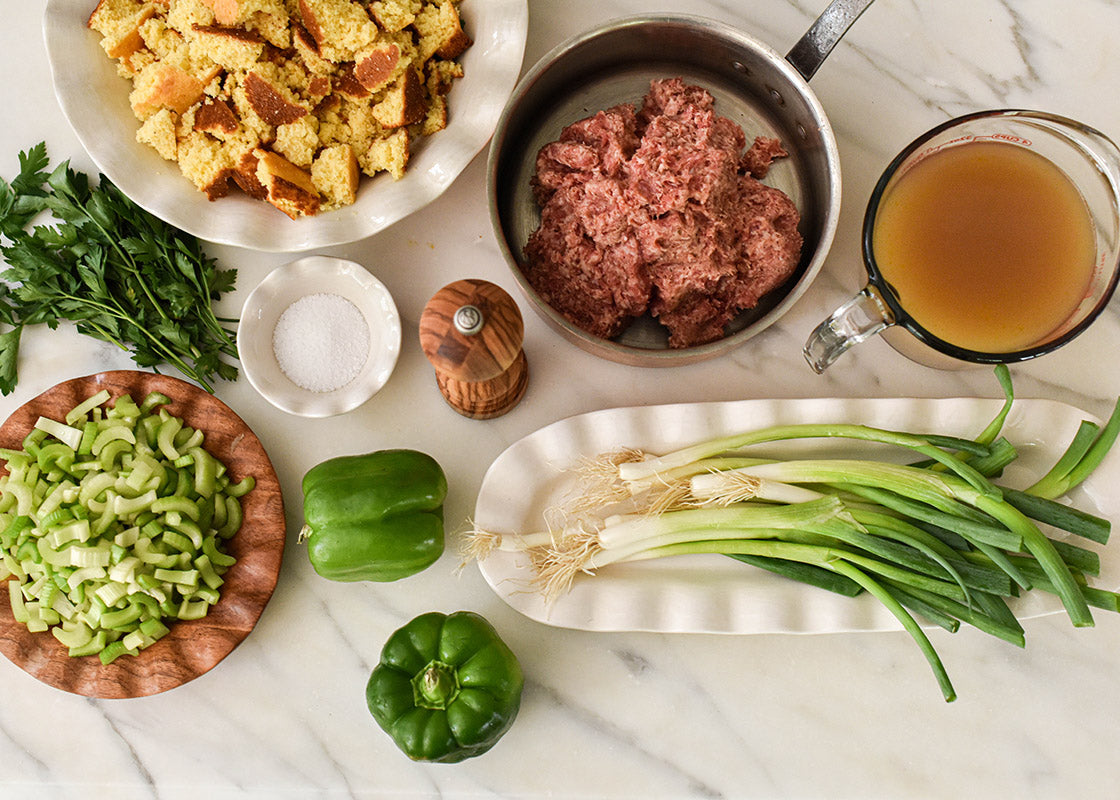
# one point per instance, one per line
(447, 687)
(374, 517)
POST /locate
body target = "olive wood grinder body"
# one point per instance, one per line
(472, 332)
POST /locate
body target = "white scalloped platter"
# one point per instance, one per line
(715, 594)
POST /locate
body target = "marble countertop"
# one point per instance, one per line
(617, 715)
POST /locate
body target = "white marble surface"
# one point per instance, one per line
(618, 715)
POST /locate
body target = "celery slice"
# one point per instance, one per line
(95, 645)
(80, 411)
(64, 433)
(112, 651)
(15, 597)
(72, 636)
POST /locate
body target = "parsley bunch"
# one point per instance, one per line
(114, 270)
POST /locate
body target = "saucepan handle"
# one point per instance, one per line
(812, 48)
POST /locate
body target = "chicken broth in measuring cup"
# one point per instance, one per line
(987, 245)
(992, 238)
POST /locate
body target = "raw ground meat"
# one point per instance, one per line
(659, 210)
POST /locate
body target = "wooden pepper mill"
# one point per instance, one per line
(472, 332)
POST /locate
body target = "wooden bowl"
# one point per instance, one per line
(192, 647)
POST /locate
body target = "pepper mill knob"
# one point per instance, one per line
(472, 331)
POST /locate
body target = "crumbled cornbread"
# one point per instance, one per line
(289, 101)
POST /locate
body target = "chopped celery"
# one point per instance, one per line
(113, 433)
(136, 640)
(165, 437)
(76, 635)
(242, 487)
(15, 596)
(216, 557)
(145, 551)
(152, 400)
(120, 617)
(124, 571)
(185, 577)
(112, 650)
(154, 628)
(79, 411)
(95, 645)
(110, 593)
(83, 574)
(113, 522)
(182, 505)
(207, 572)
(193, 610)
(178, 541)
(127, 537)
(96, 556)
(64, 433)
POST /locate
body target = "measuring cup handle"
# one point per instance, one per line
(857, 320)
(813, 48)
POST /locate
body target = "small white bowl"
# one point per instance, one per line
(302, 278)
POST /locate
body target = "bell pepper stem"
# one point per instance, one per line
(436, 686)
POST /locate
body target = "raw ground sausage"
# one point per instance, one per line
(659, 210)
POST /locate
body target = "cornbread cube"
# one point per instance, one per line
(275, 103)
(308, 50)
(231, 48)
(183, 15)
(380, 64)
(164, 43)
(404, 103)
(289, 188)
(159, 132)
(237, 12)
(119, 22)
(340, 28)
(436, 118)
(441, 31)
(216, 118)
(244, 175)
(346, 84)
(203, 160)
(335, 175)
(389, 154)
(440, 75)
(298, 141)
(161, 85)
(395, 15)
(226, 12)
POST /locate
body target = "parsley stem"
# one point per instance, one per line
(169, 354)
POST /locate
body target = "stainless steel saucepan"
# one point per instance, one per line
(765, 92)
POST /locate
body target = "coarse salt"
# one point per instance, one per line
(321, 342)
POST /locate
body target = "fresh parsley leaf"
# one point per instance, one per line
(9, 350)
(117, 272)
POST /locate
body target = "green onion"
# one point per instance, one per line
(1084, 453)
(935, 539)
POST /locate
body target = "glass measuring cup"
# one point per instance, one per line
(1086, 157)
